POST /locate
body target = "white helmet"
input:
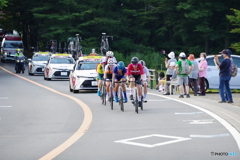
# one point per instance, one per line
(110, 54)
(110, 61)
(142, 62)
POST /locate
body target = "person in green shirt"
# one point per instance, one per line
(184, 67)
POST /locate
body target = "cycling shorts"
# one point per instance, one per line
(100, 76)
(109, 76)
(137, 78)
(118, 78)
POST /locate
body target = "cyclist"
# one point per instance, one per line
(119, 75)
(109, 54)
(135, 73)
(108, 72)
(100, 72)
(146, 79)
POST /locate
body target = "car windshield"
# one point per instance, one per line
(13, 45)
(62, 60)
(40, 58)
(86, 65)
(211, 62)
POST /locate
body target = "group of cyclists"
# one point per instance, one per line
(112, 71)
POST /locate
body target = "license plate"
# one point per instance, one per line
(94, 83)
(63, 73)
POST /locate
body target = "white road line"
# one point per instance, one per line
(190, 113)
(203, 121)
(5, 106)
(229, 127)
(210, 136)
(176, 139)
(3, 97)
(157, 100)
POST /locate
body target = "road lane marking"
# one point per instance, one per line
(234, 132)
(190, 113)
(130, 140)
(78, 134)
(210, 136)
(157, 100)
(203, 121)
(5, 106)
(3, 97)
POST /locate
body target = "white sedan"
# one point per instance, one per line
(212, 79)
(37, 63)
(58, 66)
(83, 76)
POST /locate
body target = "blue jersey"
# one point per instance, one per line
(119, 73)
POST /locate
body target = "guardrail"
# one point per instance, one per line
(153, 77)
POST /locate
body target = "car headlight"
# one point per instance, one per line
(5, 53)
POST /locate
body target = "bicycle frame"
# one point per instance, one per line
(104, 44)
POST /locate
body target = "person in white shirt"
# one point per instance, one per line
(146, 79)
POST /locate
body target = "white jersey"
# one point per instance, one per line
(146, 73)
(104, 59)
(106, 69)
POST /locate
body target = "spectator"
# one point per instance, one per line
(224, 76)
(183, 67)
(174, 76)
(202, 68)
(161, 81)
(193, 76)
(169, 72)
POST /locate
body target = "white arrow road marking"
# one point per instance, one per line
(176, 139)
(203, 121)
(210, 136)
(190, 113)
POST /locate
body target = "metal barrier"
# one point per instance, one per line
(153, 77)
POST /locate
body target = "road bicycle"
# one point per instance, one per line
(105, 44)
(103, 93)
(74, 47)
(135, 101)
(121, 95)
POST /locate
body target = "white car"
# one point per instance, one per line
(212, 79)
(37, 63)
(58, 66)
(83, 76)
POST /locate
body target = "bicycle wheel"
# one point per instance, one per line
(136, 101)
(121, 99)
(111, 98)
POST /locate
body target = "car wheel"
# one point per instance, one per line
(49, 79)
(3, 61)
(206, 84)
(31, 74)
(70, 89)
(75, 91)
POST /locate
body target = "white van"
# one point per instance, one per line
(8, 47)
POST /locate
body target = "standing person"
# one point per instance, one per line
(183, 67)
(135, 73)
(169, 72)
(168, 83)
(146, 79)
(224, 76)
(202, 68)
(193, 76)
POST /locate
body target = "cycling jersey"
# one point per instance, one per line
(135, 69)
(109, 71)
(119, 74)
(146, 73)
(99, 69)
(105, 60)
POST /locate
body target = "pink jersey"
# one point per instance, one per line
(135, 69)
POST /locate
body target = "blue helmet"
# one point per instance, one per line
(120, 65)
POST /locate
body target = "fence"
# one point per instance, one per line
(153, 77)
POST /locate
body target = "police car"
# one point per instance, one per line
(83, 76)
(58, 66)
(37, 63)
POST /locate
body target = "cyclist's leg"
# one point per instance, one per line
(139, 83)
(100, 77)
(131, 86)
(107, 89)
(124, 88)
(116, 90)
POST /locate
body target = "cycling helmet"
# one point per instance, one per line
(110, 61)
(142, 62)
(109, 54)
(120, 65)
(134, 60)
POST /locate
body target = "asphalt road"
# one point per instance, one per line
(35, 120)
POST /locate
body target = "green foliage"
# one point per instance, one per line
(3, 3)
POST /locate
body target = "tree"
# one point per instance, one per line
(235, 20)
